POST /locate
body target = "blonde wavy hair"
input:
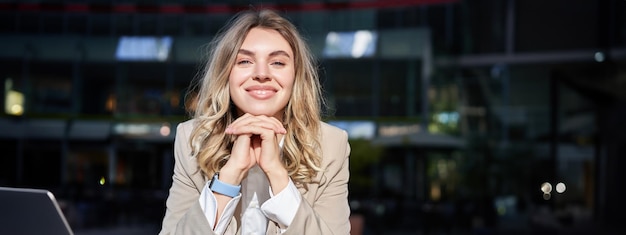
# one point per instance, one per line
(213, 109)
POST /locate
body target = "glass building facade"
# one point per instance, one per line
(458, 110)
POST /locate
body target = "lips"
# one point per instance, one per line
(261, 92)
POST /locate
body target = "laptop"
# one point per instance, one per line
(25, 211)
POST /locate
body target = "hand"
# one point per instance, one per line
(256, 143)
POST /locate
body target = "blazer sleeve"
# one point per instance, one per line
(183, 214)
(325, 209)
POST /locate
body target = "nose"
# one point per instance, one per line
(261, 72)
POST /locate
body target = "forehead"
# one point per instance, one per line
(263, 40)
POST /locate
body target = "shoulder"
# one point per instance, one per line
(186, 125)
(183, 129)
(335, 155)
(183, 136)
(330, 130)
(334, 142)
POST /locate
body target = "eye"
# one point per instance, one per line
(244, 62)
(279, 63)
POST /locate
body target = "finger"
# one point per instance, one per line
(237, 122)
(261, 121)
(261, 129)
(241, 119)
(240, 147)
(241, 159)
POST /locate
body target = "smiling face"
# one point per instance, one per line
(262, 77)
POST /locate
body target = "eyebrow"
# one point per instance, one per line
(274, 53)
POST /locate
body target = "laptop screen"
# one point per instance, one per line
(31, 211)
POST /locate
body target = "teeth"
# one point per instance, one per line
(261, 92)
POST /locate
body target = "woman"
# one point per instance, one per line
(256, 157)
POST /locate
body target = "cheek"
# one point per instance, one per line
(233, 86)
(235, 79)
(288, 80)
(235, 76)
(290, 85)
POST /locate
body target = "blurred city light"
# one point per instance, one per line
(14, 100)
(599, 56)
(546, 187)
(560, 187)
(143, 48)
(353, 44)
(14, 103)
(165, 129)
(546, 196)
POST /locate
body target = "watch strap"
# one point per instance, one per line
(223, 188)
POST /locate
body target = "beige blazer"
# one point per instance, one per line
(324, 208)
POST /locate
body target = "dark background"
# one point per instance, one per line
(464, 110)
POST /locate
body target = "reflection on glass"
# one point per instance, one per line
(356, 44)
(135, 48)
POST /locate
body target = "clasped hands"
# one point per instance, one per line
(256, 143)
